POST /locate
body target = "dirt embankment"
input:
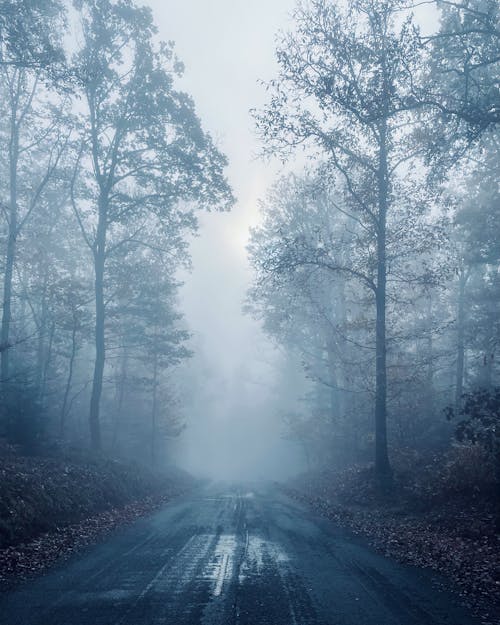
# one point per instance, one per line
(52, 506)
(440, 516)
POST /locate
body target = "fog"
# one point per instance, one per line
(240, 237)
(250, 296)
(234, 427)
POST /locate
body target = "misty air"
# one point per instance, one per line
(249, 312)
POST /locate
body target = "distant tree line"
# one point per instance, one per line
(378, 266)
(103, 162)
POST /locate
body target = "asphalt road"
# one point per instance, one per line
(228, 555)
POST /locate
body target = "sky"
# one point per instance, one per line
(228, 48)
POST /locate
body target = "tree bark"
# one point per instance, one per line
(42, 335)
(69, 380)
(154, 410)
(382, 465)
(11, 245)
(46, 365)
(120, 396)
(459, 384)
(430, 355)
(100, 343)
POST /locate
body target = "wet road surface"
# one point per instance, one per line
(235, 556)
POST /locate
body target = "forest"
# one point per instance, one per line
(103, 165)
(377, 265)
(374, 268)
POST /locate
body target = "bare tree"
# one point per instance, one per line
(35, 137)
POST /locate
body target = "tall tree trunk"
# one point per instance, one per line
(46, 364)
(486, 374)
(42, 335)
(154, 410)
(120, 396)
(7, 304)
(100, 313)
(382, 466)
(69, 380)
(430, 356)
(11, 246)
(459, 384)
(334, 394)
(337, 368)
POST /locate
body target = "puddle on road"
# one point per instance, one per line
(221, 566)
(258, 551)
(258, 554)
